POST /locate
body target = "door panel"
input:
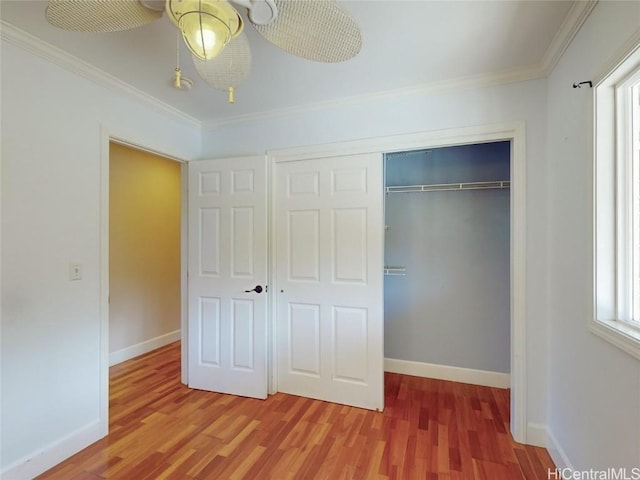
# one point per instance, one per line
(350, 245)
(304, 339)
(242, 320)
(209, 331)
(209, 242)
(350, 326)
(329, 244)
(227, 257)
(304, 254)
(242, 241)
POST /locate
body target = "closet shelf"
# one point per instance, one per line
(397, 271)
(448, 186)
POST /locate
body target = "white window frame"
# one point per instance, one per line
(635, 193)
(616, 202)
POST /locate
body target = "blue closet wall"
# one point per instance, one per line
(452, 305)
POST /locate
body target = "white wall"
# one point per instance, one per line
(594, 388)
(423, 112)
(51, 177)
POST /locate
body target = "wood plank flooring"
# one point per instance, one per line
(430, 429)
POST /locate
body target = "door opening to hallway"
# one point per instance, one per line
(145, 228)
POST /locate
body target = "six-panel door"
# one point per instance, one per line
(329, 274)
(227, 331)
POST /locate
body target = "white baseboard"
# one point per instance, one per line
(444, 372)
(558, 455)
(41, 461)
(143, 347)
(540, 436)
(537, 435)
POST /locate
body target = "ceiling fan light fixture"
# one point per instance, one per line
(207, 26)
(205, 35)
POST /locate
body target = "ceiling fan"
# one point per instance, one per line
(316, 30)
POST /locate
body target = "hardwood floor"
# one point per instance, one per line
(430, 429)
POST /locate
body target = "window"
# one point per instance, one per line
(617, 203)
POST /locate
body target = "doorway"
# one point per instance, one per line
(447, 253)
(108, 141)
(144, 251)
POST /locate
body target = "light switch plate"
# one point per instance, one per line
(75, 271)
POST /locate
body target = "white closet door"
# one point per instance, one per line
(228, 256)
(330, 232)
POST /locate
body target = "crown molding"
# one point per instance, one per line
(572, 23)
(513, 75)
(42, 49)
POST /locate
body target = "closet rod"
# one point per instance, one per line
(448, 187)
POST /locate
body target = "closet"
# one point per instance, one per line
(447, 256)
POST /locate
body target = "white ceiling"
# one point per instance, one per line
(406, 44)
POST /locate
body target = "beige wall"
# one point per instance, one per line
(144, 247)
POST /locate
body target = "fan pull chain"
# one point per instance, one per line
(231, 99)
(177, 82)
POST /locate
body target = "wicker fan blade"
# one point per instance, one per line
(316, 30)
(230, 68)
(99, 15)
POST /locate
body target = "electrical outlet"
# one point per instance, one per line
(75, 271)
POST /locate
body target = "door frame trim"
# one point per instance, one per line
(108, 135)
(513, 132)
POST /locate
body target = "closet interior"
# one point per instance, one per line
(447, 256)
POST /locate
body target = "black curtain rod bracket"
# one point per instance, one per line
(580, 84)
